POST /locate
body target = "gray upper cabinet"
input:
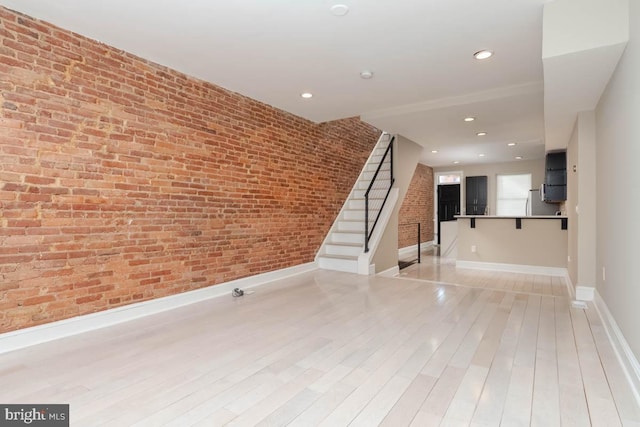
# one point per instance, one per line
(555, 177)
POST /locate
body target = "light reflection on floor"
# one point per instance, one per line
(434, 269)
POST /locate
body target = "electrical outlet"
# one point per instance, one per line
(568, 258)
(604, 274)
(474, 249)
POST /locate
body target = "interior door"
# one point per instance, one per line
(448, 203)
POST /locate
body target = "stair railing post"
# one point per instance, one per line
(366, 222)
(418, 243)
(391, 163)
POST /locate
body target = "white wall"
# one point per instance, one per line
(492, 170)
(575, 25)
(618, 182)
(582, 42)
(573, 200)
(587, 200)
(581, 201)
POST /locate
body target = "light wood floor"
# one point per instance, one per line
(444, 271)
(335, 349)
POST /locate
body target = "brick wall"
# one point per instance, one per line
(122, 180)
(417, 207)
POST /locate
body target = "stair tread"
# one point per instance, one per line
(351, 245)
(342, 257)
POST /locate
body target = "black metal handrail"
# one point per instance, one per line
(368, 233)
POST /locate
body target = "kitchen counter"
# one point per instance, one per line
(513, 217)
(518, 219)
(525, 241)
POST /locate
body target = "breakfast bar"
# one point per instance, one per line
(522, 241)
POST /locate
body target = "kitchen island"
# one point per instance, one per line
(535, 244)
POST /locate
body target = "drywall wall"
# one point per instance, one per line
(575, 25)
(569, 207)
(581, 201)
(618, 175)
(585, 39)
(587, 199)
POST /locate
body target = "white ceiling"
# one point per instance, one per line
(420, 51)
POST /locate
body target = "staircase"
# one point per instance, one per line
(346, 241)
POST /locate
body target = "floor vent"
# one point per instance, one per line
(578, 304)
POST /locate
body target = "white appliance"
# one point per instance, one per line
(535, 205)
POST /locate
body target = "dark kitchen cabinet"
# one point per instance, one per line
(476, 195)
(555, 177)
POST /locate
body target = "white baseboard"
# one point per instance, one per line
(26, 337)
(585, 293)
(391, 272)
(627, 359)
(513, 268)
(570, 289)
(413, 249)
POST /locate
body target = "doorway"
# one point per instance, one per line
(448, 203)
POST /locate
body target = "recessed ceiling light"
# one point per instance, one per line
(518, 157)
(483, 54)
(511, 144)
(481, 133)
(480, 155)
(339, 9)
(366, 74)
(455, 162)
(306, 95)
(434, 151)
(469, 119)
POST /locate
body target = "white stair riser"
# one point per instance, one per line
(381, 149)
(372, 167)
(351, 226)
(347, 266)
(380, 183)
(356, 204)
(347, 238)
(367, 176)
(357, 215)
(343, 250)
(375, 193)
(359, 205)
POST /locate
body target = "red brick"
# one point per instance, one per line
(15, 259)
(127, 181)
(38, 300)
(417, 206)
(89, 298)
